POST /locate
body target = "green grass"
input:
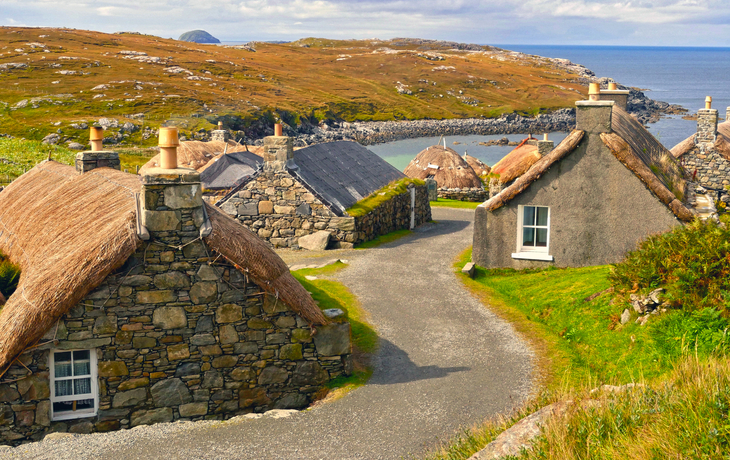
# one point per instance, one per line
(446, 203)
(379, 197)
(384, 239)
(18, 155)
(332, 294)
(130, 159)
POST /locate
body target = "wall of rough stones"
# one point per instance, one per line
(713, 170)
(470, 194)
(179, 334)
(280, 209)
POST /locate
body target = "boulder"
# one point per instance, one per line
(170, 392)
(316, 241)
(333, 339)
(149, 417)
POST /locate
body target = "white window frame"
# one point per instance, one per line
(532, 252)
(93, 369)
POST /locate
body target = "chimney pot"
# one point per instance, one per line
(168, 147)
(545, 136)
(96, 138)
(612, 86)
(708, 102)
(278, 131)
(220, 125)
(594, 92)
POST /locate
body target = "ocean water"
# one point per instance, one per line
(678, 75)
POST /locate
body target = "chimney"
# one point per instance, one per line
(96, 157)
(545, 146)
(706, 123)
(620, 97)
(220, 134)
(171, 201)
(278, 151)
(594, 115)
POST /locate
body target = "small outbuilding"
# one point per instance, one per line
(480, 168)
(607, 186)
(140, 304)
(454, 177)
(517, 162)
(296, 194)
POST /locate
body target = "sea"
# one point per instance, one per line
(677, 75)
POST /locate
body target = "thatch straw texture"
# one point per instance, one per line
(240, 246)
(196, 154)
(479, 167)
(67, 232)
(534, 173)
(445, 166)
(517, 162)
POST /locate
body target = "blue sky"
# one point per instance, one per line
(583, 22)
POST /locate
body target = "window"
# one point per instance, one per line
(533, 233)
(74, 386)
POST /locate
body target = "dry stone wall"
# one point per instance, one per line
(179, 334)
(464, 194)
(713, 170)
(280, 209)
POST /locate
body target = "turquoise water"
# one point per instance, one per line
(678, 75)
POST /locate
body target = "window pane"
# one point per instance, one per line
(82, 368)
(82, 386)
(63, 387)
(62, 369)
(62, 406)
(528, 237)
(542, 216)
(529, 217)
(84, 404)
(541, 237)
(81, 355)
(64, 356)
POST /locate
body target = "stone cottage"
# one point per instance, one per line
(454, 176)
(296, 194)
(139, 304)
(706, 154)
(608, 185)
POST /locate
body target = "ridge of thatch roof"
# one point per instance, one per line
(196, 154)
(634, 147)
(444, 165)
(480, 168)
(69, 231)
(516, 162)
(722, 143)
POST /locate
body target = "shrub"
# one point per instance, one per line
(691, 262)
(9, 276)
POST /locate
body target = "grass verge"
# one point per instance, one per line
(332, 294)
(446, 203)
(384, 239)
(19, 155)
(379, 197)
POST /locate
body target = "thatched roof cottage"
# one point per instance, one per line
(310, 191)
(608, 185)
(480, 168)
(705, 155)
(138, 304)
(455, 178)
(517, 162)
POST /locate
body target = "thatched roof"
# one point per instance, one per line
(68, 232)
(515, 163)
(722, 143)
(479, 167)
(197, 154)
(445, 166)
(634, 147)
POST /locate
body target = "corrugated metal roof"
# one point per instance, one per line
(342, 173)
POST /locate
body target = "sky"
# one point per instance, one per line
(542, 22)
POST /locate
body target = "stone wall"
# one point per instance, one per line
(280, 209)
(464, 194)
(713, 170)
(179, 334)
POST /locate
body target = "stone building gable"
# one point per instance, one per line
(179, 334)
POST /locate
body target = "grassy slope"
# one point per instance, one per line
(313, 78)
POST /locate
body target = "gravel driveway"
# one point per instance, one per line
(444, 362)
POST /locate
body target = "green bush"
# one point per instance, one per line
(9, 276)
(691, 262)
(686, 332)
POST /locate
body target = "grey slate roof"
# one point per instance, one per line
(342, 173)
(229, 170)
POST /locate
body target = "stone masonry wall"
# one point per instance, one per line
(465, 194)
(179, 334)
(280, 210)
(713, 170)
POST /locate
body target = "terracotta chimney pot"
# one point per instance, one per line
(612, 86)
(594, 92)
(278, 131)
(708, 102)
(545, 136)
(96, 138)
(220, 125)
(168, 147)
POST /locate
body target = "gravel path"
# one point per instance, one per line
(444, 362)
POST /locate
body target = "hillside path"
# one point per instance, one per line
(444, 362)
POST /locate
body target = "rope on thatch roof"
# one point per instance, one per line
(445, 166)
(250, 254)
(625, 154)
(537, 170)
